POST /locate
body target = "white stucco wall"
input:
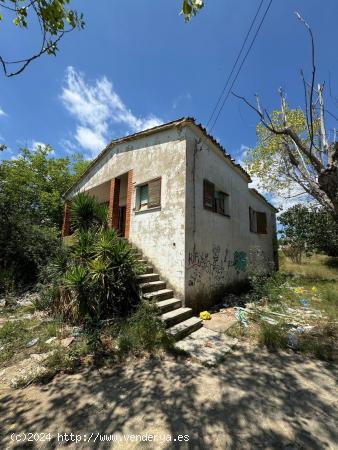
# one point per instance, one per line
(220, 250)
(159, 233)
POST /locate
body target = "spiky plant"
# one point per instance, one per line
(86, 213)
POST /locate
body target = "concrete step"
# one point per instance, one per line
(184, 328)
(169, 305)
(162, 294)
(146, 277)
(171, 318)
(152, 286)
(148, 269)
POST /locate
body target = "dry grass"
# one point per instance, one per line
(313, 281)
(315, 267)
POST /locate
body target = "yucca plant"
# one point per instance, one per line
(83, 248)
(86, 213)
(96, 277)
(76, 282)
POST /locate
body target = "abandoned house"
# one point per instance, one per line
(176, 195)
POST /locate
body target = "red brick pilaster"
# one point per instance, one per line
(66, 221)
(114, 196)
(129, 200)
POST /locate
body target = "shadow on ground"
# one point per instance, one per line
(251, 401)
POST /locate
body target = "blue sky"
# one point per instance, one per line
(137, 63)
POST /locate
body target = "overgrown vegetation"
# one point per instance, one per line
(296, 309)
(95, 277)
(308, 230)
(143, 331)
(31, 208)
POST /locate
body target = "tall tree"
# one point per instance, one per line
(309, 229)
(31, 205)
(293, 145)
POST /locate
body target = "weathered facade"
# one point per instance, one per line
(177, 196)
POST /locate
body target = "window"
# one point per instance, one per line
(222, 203)
(258, 221)
(143, 195)
(209, 195)
(214, 200)
(148, 195)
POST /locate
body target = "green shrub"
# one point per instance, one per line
(86, 213)
(143, 331)
(95, 277)
(269, 287)
(7, 282)
(11, 331)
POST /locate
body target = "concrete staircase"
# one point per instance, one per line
(178, 320)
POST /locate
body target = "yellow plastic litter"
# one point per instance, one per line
(205, 315)
(299, 290)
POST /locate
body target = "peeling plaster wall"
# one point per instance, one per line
(220, 250)
(159, 233)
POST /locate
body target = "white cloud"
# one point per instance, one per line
(90, 139)
(97, 108)
(2, 112)
(36, 144)
(180, 99)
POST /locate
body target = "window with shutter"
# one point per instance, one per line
(154, 193)
(261, 223)
(222, 203)
(144, 195)
(209, 195)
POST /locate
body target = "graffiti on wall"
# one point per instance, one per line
(217, 266)
(240, 261)
(221, 266)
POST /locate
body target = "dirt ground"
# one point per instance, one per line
(253, 400)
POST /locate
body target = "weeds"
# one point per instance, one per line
(143, 331)
(272, 336)
(270, 288)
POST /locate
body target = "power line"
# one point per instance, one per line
(242, 63)
(235, 63)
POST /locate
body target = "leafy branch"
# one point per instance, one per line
(55, 21)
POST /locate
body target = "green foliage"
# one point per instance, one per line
(144, 331)
(54, 18)
(31, 209)
(310, 229)
(95, 277)
(269, 160)
(190, 8)
(269, 287)
(86, 212)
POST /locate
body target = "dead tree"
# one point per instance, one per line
(312, 163)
